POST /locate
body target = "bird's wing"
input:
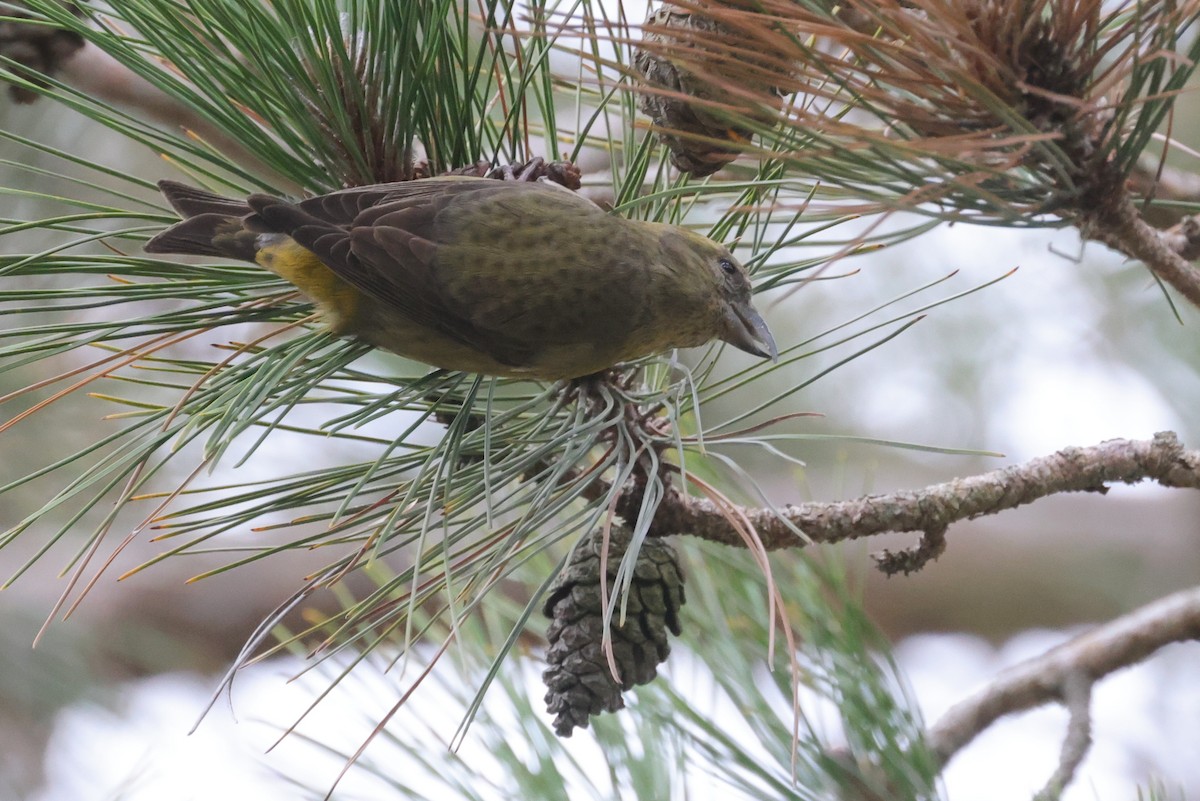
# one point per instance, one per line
(499, 246)
(447, 272)
(346, 207)
(190, 201)
(539, 276)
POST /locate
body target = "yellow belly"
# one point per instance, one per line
(338, 302)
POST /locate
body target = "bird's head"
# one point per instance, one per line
(728, 290)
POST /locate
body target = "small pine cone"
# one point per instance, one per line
(38, 48)
(579, 681)
(678, 55)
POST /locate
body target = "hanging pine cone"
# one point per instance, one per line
(697, 55)
(579, 681)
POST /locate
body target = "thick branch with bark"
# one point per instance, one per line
(931, 510)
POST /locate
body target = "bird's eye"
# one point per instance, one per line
(728, 267)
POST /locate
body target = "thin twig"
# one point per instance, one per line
(1184, 238)
(1077, 698)
(1153, 179)
(97, 74)
(1122, 228)
(910, 560)
(1090, 656)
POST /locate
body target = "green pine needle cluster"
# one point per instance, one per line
(440, 488)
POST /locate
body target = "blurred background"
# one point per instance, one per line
(1077, 346)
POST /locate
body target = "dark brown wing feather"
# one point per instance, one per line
(383, 240)
(470, 243)
(211, 225)
(353, 206)
(191, 201)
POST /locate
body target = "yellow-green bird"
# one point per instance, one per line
(506, 278)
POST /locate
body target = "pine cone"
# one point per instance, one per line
(578, 677)
(691, 53)
(39, 49)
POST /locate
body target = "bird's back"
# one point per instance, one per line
(500, 277)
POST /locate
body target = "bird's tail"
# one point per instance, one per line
(212, 225)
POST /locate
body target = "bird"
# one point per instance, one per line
(505, 278)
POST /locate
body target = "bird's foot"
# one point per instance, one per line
(563, 173)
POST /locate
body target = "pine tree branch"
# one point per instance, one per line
(1167, 254)
(1081, 662)
(83, 66)
(1077, 698)
(933, 509)
(97, 74)
(1184, 238)
(1167, 188)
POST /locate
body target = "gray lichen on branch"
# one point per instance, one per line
(1085, 469)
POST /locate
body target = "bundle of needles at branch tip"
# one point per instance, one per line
(982, 109)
